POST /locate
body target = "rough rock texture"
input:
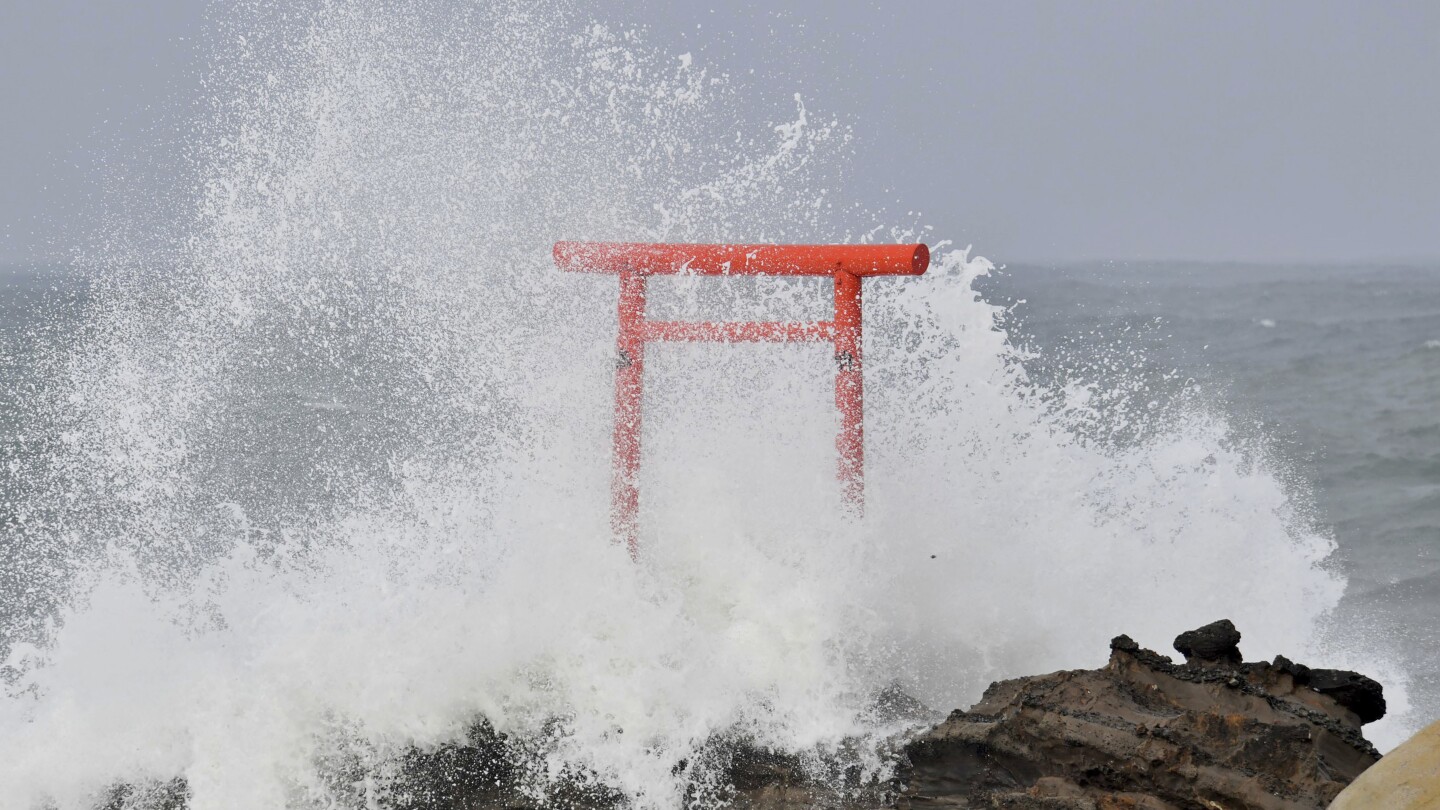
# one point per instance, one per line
(1352, 690)
(1142, 733)
(1146, 733)
(1215, 642)
(1408, 778)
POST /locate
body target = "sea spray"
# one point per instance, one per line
(331, 478)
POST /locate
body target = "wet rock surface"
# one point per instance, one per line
(1142, 732)
(1215, 642)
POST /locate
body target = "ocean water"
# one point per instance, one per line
(1337, 366)
(315, 471)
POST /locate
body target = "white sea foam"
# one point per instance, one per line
(265, 598)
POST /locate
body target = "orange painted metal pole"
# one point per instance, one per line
(634, 262)
(850, 388)
(742, 260)
(629, 396)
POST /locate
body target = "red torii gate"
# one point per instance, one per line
(634, 262)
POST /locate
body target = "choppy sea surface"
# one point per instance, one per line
(1338, 366)
(1335, 369)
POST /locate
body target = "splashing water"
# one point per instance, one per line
(331, 476)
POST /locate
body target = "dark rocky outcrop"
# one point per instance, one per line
(1142, 732)
(1354, 691)
(1215, 642)
(170, 795)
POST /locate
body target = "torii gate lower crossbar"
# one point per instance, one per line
(635, 262)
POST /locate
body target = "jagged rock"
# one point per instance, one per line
(1299, 672)
(171, 795)
(1215, 642)
(1354, 691)
(1144, 732)
(893, 705)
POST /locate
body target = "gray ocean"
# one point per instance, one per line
(1333, 370)
(1337, 367)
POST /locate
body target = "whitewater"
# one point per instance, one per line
(323, 477)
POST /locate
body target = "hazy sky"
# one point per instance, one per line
(1302, 130)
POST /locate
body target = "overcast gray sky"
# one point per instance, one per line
(1294, 130)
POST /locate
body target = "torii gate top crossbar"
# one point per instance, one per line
(634, 262)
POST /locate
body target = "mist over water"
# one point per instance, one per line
(324, 474)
